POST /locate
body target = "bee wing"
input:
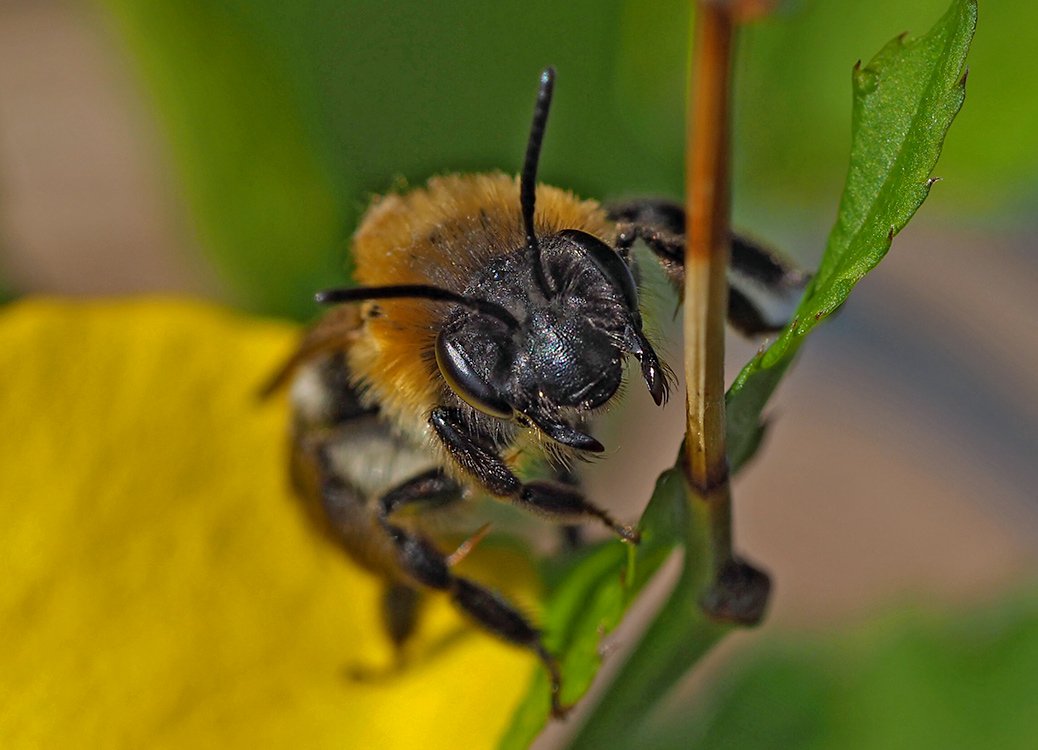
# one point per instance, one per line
(335, 331)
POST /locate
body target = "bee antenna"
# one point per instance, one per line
(416, 291)
(528, 180)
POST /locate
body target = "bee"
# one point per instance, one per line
(492, 320)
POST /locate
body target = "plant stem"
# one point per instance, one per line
(706, 256)
(738, 591)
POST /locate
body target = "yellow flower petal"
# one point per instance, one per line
(160, 585)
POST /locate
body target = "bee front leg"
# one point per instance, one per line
(572, 538)
(763, 287)
(557, 502)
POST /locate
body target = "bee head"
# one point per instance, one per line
(561, 356)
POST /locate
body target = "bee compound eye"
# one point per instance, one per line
(466, 382)
(609, 264)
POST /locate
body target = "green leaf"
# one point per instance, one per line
(593, 595)
(591, 598)
(904, 102)
(791, 110)
(265, 206)
(678, 637)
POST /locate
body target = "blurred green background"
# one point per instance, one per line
(227, 149)
(282, 119)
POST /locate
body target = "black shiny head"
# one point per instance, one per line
(565, 356)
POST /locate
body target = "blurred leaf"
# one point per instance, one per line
(266, 207)
(917, 682)
(408, 89)
(904, 102)
(590, 602)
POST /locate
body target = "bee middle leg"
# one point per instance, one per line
(357, 528)
(421, 561)
(558, 502)
(400, 602)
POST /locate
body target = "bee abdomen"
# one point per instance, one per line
(347, 456)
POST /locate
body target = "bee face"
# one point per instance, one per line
(565, 351)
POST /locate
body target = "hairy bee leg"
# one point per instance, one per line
(481, 461)
(429, 489)
(554, 501)
(428, 566)
(432, 489)
(763, 287)
(660, 224)
(349, 515)
(563, 504)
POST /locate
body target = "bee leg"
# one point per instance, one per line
(418, 557)
(660, 224)
(351, 521)
(571, 536)
(502, 619)
(426, 565)
(554, 501)
(763, 287)
(431, 489)
(400, 601)
(563, 504)
(400, 605)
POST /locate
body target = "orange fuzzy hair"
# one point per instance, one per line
(440, 234)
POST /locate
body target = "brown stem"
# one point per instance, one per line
(708, 209)
(738, 592)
